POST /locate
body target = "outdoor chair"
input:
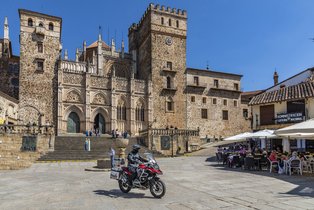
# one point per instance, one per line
(219, 157)
(306, 166)
(225, 158)
(296, 164)
(272, 164)
(234, 162)
(263, 163)
(249, 163)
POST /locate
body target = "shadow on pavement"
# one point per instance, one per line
(305, 183)
(117, 193)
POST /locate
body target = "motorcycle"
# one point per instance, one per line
(147, 177)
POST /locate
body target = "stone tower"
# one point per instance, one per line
(40, 47)
(159, 45)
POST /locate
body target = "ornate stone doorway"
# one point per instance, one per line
(73, 123)
(100, 123)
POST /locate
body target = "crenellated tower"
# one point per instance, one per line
(158, 45)
(40, 49)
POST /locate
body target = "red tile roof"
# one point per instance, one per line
(95, 44)
(299, 91)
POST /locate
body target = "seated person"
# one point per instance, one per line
(273, 156)
(294, 156)
(242, 151)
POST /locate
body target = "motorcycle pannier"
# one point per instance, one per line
(114, 174)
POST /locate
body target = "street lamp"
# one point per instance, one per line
(172, 134)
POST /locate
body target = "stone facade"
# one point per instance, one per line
(8, 109)
(139, 91)
(211, 93)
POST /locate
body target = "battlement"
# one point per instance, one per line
(161, 9)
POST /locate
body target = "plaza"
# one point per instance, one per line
(192, 183)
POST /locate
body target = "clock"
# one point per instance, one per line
(168, 41)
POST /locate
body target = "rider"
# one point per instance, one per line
(134, 159)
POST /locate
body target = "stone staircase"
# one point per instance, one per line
(72, 148)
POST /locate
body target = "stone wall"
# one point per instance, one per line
(11, 154)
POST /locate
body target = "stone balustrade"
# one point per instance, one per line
(26, 129)
(72, 66)
(170, 132)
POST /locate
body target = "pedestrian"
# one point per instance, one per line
(86, 145)
(86, 132)
(125, 134)
(112, 153)
(116, 133)
(112, 134)
(90, 133)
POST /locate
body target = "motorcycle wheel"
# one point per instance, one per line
(124, 186)
(158, 188)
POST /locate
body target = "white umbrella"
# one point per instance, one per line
(241, 136)
(263, 134)
(299, 130)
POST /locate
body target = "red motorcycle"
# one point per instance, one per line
(147, 177)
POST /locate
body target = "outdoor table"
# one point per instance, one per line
(257, 161)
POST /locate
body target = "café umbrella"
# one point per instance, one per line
(263, 134)
(239, 137)
(304, 129)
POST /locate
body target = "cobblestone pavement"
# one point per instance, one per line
(192, 183)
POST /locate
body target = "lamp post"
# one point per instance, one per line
(172, 134)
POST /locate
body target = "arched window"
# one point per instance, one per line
(169, 22)
(177, 24)
(168, 82)
(140, 112)
(170, 104)
(30, 22)
(51, 26)
(41, 24)
(121, 111)
(162, 20)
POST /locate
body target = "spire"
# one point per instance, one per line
(122, 48)
(66, 54)
(77, 54)
(6, 28)
(84, 51)
(113, 46)
(275, 77)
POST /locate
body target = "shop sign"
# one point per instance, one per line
(290, 117)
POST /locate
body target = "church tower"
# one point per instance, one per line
(40, 47)
(159, 43)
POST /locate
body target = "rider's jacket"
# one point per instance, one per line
(134, 158)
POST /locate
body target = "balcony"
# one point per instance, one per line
(224, 90)
(168, 70)
(40, 30)
(282, 120)
(171, 89)
(196, 85)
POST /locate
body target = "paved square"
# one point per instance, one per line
(191, 183)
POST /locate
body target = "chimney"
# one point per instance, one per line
(275, 78)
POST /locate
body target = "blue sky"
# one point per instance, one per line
(248, 37)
